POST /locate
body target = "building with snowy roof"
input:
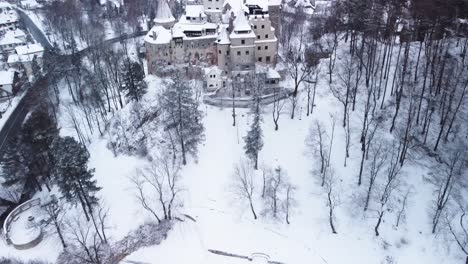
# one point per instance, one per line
(164, 15)
(24, 57)
(234, 36)
(9, 19)
(7, 82)
(12, 39)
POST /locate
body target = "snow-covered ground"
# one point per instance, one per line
(224, 223)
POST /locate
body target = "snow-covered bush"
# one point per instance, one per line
(132, 130)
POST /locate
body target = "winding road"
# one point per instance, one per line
(15, 120)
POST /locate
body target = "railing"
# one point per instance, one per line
(243, 102)
(13, 216)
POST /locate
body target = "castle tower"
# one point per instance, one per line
(164, 15)
(274, 9)
(223, 44)
(242, 44)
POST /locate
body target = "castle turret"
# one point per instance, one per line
(164, 15)
(242, 44)
(223, 44)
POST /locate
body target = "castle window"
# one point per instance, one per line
(209, 7)
(243, 41)
(227, 52)
(247, 52)
(266, 36)
(238, 53)
(266, 47)
(263, 26)
(259, 59)
(267, 59)
(219, 51)
(259, 48)
(255, 26)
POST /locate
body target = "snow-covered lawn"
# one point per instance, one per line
(224, 223)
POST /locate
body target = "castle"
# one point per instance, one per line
(230, 36)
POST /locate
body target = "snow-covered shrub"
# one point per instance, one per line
(132, 130)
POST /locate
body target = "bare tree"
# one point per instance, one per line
(289, 201)
(278, 105)
(342, 90)
(457, 227)
(332, 197)
(316, 142)
(244, 184)
(446, 177)
(388, 187)
(311, 87)
(160, 179)
(403, 201)
(299, 64)
(348, 133)
(379, 159)
(273, 192)
(54, 210)
(84, 243)
(293, 100)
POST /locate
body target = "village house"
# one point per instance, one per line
(12, 39)
(24, 56)
(7, 84)
(226, 37)
(9, 19)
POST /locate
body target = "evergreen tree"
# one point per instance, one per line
(38, 133)
(72, 175)
(254, 138)
(133, 84)
(27, 160)
(13, 168)
(36, 68)
(181, 117)
(50, 59)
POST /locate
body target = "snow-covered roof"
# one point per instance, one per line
(15, 58)
(213, 70)
(272, 74)
(223, 37)
(235, 6)
(158, 35)
(268, 71)
(29, 3)
(29, 49)
(303, 4)
(8, 16)
(261, 3)
(163, 13)
(178, 31)
(274, 2)
(13, 37)
(195, 11)
(186, 25)
(7, 77)
(241, 23)
(5, 5)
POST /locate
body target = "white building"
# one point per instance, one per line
(232, 35)
(24, 56)
(12, 39)
(9, 19)
(7, 81)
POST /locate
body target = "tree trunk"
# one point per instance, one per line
(376, 229)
